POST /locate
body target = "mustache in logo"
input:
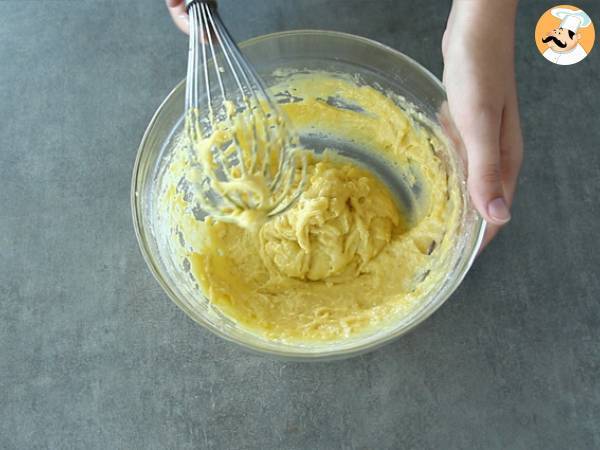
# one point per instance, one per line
(556, 41)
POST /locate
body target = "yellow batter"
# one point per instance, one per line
(347, 258)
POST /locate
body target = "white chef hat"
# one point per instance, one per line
(572, 20)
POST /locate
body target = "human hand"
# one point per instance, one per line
(179, 14)
(478, 49)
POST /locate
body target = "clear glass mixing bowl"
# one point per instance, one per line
(376, 65)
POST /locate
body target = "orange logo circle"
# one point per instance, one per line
(565, 35)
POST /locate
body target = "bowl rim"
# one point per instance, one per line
(285, 354)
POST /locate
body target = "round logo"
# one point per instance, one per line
(565, 35)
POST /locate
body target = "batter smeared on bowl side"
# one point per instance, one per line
(350, 255)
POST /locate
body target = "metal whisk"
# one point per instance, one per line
(257, 165)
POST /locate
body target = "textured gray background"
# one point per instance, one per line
(94, 355)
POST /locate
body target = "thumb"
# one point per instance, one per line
(481, 136)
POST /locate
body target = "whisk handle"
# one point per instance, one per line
(210, 3)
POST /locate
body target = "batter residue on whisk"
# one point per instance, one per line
(347, 257)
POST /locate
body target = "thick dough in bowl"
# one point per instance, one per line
(349, 256)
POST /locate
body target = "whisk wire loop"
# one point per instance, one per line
(260, 149)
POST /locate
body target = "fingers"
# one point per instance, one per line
(179, 14)
(511, 156)
(480, 131)
(451, 132)
(511, 146)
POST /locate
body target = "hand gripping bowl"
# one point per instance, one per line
(376, 65)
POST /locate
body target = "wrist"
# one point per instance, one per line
(475, 25)
(485, 9)
(483, 16)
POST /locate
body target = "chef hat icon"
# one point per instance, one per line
(572, 20)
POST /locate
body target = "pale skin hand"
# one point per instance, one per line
(179, 14)
(478, 48)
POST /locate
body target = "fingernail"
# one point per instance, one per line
(498, 210)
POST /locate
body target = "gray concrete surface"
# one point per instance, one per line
(93, 355)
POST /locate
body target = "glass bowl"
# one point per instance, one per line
(376, 65)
